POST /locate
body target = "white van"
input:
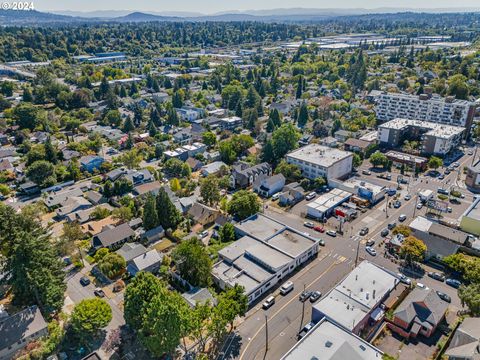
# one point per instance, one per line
(286, 288)
(269, 302)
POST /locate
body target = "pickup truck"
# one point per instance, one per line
(305, 330)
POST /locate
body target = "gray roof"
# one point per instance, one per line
(117, 234)
(129, 251)
(21, 326)
(465, 342)
(147, 259)
(58, 198)
(259, 227)
(199, 295)
(422, 306)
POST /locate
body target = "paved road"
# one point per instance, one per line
(334, 262)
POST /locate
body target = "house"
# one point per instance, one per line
(465, 343)
(419, 314)
(95, 197)
(269, 186)
(29, 188)
(329, 141)
(82, 216)
(291, 194)
(147, 188)
(202, 214)
(18, 330)
(182, 137)
(70, 154)
(305, 140)
(149, 262)
(230, 123)
(356, 145)
(153, 235)
(91, 162)
(342, 135)
(199, 296)
(194, 164)
(92, 228)
(113, 237)
(60, 198)
(6, 165)
(130, 251)
(244, 175)
(212, 168)
(71, 205)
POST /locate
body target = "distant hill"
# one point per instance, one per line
(144, 17)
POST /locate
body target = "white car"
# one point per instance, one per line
(203, 234)
(407, 197)
(332, 233)
(371, 251)
(308, 224)
(402, 218)
(275, 196)
(310, 196)
(419, 206)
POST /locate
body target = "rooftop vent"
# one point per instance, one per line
(328, 344)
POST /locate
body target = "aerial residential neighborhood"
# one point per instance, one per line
(179, 182)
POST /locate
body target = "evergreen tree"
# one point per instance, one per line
(168, 215)
(152, 130)
(177, 100)
(299, 91)
(104, 87)
(27, 95)
(50, 152)
(150, 215)
(123, 92)
(128, 125)
(303, 115)
(155, 117)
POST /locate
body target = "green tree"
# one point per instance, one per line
(168, 215)
(193, 262)
(243, 204)
(31, 265)
(470, 296)
(128, 125)
(435, 162)
(50, 151)
(227, 233)
(26, 115)
(112, 265)
(457, 86)
(210, 190)
(150, 215)
(290, 171)
(378, 159)
(131, 159)
(413, 249)
(42, 173)
(227, 152)
(123, 214)
(284, 139)
(303, 115)
(209, 138)
(89, 316)
(357, 160)
(100, 254)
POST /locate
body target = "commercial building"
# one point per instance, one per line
(320, 161)
(435, 138)
(329, 341)
(472, 180)
(470, 221)
(364, 189)
(357, 298)
(266, 253)
(324, 205)
(412, 161)
(425, 107)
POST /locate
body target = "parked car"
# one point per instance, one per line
(275, 197)
(402, 217)
(332, 233)
(305, 330)
(370, 242)
(321, 242)
(442, 191)
(419, 206)
(366, 172)
(286, 288)
(422, 286)
(397, 204)
(309, 224)
(99, 292)
(384, 232)
(436, 276)
(364, 231)
(444, 297)
(407, 197)
(319, 228)
(404, 279)
(391, 225)
(449, 209)
(311, 196)
(304, 295)
(371, 251)
(203, 234)
(269, 302)
(84, 281)
(453, 283)
(315, 296)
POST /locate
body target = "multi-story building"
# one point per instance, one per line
(472, 180)
(321, 161)
(435, 138)
(425, 107)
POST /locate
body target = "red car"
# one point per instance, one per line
(319, 229)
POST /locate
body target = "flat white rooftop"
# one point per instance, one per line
(320, 155)
(434, 129)
(328, 200)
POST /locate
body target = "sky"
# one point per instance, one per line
(213, 6)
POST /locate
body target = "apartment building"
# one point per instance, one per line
(438, 139)
(433, 108)
(317, 160)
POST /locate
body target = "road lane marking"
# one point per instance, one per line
(283, 307)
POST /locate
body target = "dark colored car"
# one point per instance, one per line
(384, 232)
(99, 292)
(444, 296)
(436, 276)
(364, 231)
(84, 281)
(370, 242)
(304, 296)
(315, 296)
(453, 283)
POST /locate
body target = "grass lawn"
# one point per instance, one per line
(163, 245)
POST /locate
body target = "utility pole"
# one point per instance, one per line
(386, 207)
(303, 309)
(266, 334)
(356, 256)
